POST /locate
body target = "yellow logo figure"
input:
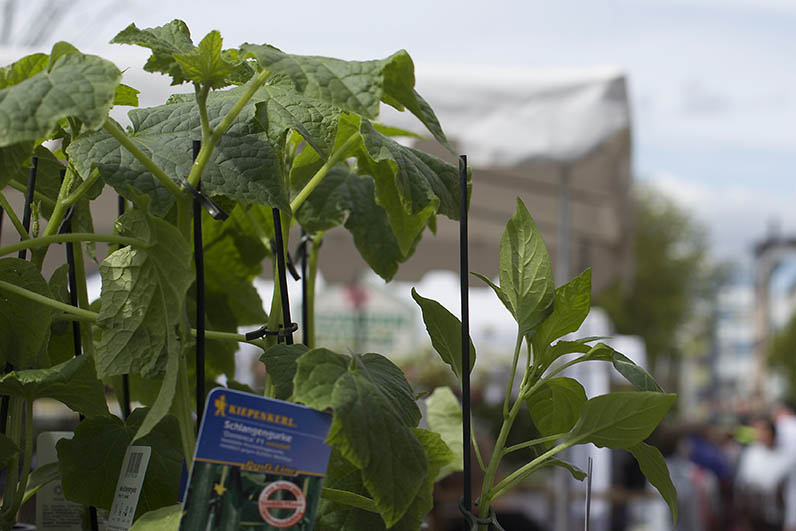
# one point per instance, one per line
(221, 406)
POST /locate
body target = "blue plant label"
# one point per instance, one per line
(259, 464)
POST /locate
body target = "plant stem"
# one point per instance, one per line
(201, 101)
(227, 336)
(534, 442)
(116, 132)
(38, 196)
(87, 337)
(82, 188)
(210, 143)
(5, 205)
(83, 315)
(60, 209)
(475, 447)
(43, 241)
(23, 476)
(331, 162)
(312, 276)
(494, 462)
(521, 473)
(517, 347)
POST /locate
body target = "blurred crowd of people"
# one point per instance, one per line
(733, 477)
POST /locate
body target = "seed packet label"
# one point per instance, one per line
(259, 465)
(128, 488)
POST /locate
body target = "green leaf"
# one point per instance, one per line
(499, 292)
(8, 449)
(126, 95)
(575, 471)
(91, 461)
(61, 346)
(444, 416)
(445, 331)
(81, 86)
(143, 292)
(349, 508)
(389, 130)
(526, 277)
(653, 466)
(39, 478)
(374, 411)
(73, 382)
(637, 376)
(165, 399)
(570, 308)
(204, 64)
(60, 49)
(343, 197)
(281, 365)
(620, 420)
(562, 348)
(163, 519)
(24, 324)
(555, 405)
(354, 86)
(14, 160)
(23, 69)
(164, 41)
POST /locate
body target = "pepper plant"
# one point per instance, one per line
(557, 405)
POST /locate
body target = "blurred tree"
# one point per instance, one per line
(669, 300)
(781, 355)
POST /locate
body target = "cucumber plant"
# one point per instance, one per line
(557, 405)
(277, 130)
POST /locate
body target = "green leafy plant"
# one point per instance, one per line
(557, 405)
(277, 130)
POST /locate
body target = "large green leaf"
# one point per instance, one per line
(338, 512)
(555, 405)
(14, 160)
(204, 64)
(445, 330)
(444, 416)
(142, 297)
(73, 382)
(164, 41)
(653, 466)
(374, 413)
(620, 420)
(281, 365)
(163, 519)
(570, 308)
(164, 402)
(355, 86)
(8, 449)
(526, 277)
(77, 85)
(23, 69)
(90, 462)
(343, 197)
(24, 324)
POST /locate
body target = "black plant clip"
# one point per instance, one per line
(474, 521)
(215, 211)
(290, 265)
(263, 331)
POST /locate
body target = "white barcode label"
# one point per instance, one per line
(128, 488)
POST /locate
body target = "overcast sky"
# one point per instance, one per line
(713, 83)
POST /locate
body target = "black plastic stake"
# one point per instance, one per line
(305, 320)
(199, 260)
(282, 274)
(464, 278)
(1, 222)
(66, 227)
(121, 206)
(28, 200)
(588, 495)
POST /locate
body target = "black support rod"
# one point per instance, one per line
(121, 206)
(464, 278)
(199, 261)
(305, 319)
(282, 275)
